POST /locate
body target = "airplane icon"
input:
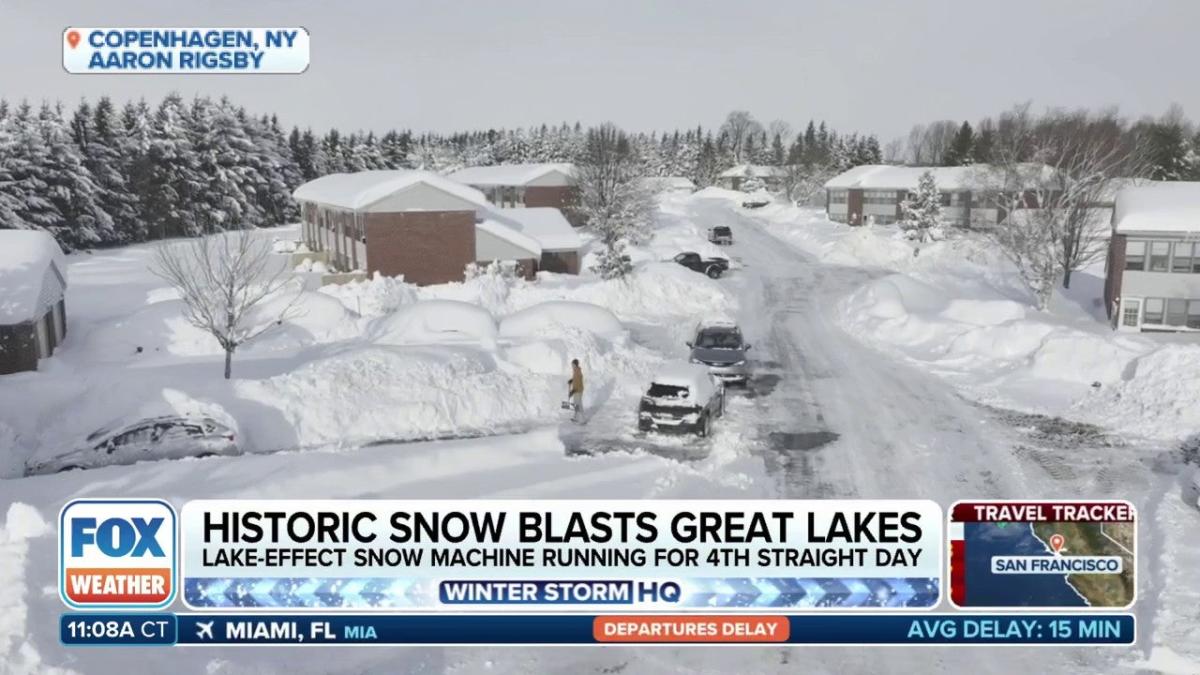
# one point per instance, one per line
(204, 630)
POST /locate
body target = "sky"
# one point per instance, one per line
(873, 66)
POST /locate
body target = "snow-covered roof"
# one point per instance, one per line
(747, 170)
(509, 174)
(30, 262)
(546, 225)
(694, 376)
(669, 183)
(948, 178)
(356, 191)
(503, 229)
(1158, 207)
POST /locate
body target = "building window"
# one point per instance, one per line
(886, 197)
(837, 196)
(1181, 258)
(982, 200)
(1193, 317)
(1129, 313)
(1154, 312)
(1177, 312)
(958, 199)
(945, 198)
(1135, 255)
(1160, 255)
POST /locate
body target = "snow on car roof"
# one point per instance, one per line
(545, 225)
(509, 174)
(716, 323)
(25, 258)
(892, 177)
(691, 375)
(1158, 207)
(361, 189)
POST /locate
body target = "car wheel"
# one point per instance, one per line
(70, 467)
(713, 272)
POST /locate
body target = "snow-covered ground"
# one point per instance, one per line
(870, 369)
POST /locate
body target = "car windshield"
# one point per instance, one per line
(667, 391)
(721, 230)
(719, 339)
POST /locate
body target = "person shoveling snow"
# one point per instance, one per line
(575, 391)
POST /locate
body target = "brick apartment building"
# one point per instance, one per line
(524, 185)
(873, 193)
(427, 228)
(1152, 274)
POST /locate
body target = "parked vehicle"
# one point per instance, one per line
(713, 267)
(720, 235)
(755, 201)
(170, 437)
(682, 398)
(719, 346)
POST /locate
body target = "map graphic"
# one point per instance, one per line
(1040, 562)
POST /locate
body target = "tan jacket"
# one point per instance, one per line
(576, 382)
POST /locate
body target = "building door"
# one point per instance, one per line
(1131, 313)
(854, 207)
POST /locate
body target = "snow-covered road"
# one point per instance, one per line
(827, 416)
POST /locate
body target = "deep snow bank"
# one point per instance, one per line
(435, 322)
(552, 318)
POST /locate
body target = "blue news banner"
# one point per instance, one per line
(198, 629)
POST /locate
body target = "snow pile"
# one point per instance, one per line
(22, 523)
(162, 328)
(1157, 396)
(434, 322)
(373, 297)
(381, 393)
(551, 319)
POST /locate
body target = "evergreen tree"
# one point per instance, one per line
(99, 137)
(962, 148)
(778, 154)
(26, 159)
(1167, 150)
(70, 188)
(173, 184)
(921, 218)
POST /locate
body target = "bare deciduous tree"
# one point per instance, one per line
(222, 279)
(928, 144)
(739, 126)
(1048, 175)
(613, 198)
(801, 182)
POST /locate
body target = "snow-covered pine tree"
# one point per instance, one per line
(753, 183)
(70, 187)
(220, 148)
(921, 212)
(8, 187)
(99, 137)
(173, 184)
(26, 157)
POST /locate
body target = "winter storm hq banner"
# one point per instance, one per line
(515, 555)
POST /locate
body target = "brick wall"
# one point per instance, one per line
(426, 247)
(563, 198)
(1116, 269)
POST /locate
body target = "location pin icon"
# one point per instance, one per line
(1057, 541)
(73, 38)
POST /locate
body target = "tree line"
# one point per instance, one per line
(1167, 147)
(104, 175)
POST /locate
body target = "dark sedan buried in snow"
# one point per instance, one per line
(170, 437)
(713, 267)
(683, 398)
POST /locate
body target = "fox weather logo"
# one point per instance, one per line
(117, 553)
